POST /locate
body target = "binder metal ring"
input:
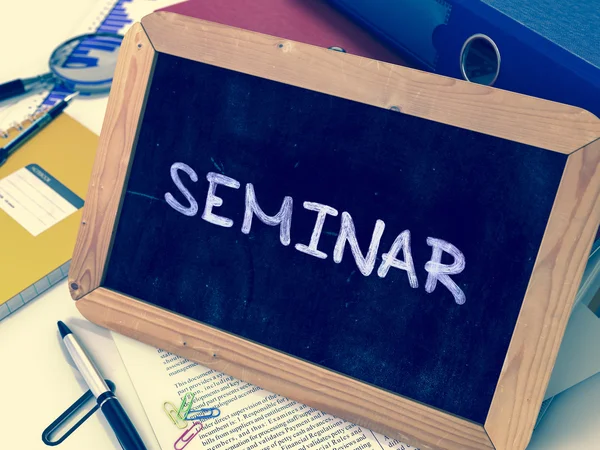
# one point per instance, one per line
(465, 51)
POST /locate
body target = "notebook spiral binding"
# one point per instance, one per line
(17, 127)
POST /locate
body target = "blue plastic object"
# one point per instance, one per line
(547, 48)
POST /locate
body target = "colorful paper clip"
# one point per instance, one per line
(187, 436)
(186, 405)
(172, 413)
(209, 413)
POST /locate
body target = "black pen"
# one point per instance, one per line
(113, 411)
(34, 128)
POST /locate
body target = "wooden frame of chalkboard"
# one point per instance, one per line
(551, 287)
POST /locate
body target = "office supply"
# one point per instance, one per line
(261, 417)
(310, 21)
(31, 348)
(174, 416)
(205, 413)
(186, 404)
(30, 29)
(48, 175)
(83, 64)
(22, 86)
(449, 180)
(187, 436)
(112, 18)
(49, 434)
(34, 128)
(549, 50)
(109, 404)
(17, 127)
(89, 114)
(106, 16)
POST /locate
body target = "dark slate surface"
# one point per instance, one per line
(489, 197)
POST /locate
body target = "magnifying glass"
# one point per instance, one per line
(85, 64)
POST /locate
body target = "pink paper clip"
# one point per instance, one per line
(187, 436)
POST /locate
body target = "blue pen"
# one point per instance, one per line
(35, 127)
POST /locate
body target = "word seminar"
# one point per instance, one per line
(436, 270)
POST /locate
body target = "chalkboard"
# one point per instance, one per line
(426, 179)
(382, 246)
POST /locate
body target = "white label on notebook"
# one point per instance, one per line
(35, 199)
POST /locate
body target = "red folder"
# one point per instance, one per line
(309, 21)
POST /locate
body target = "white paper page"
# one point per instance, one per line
(571, 422)
(35, 199)
(250, 417)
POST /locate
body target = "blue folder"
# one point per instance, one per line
(544, 48)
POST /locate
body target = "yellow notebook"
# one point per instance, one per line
(42, 190)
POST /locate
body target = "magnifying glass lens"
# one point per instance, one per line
(86, 63)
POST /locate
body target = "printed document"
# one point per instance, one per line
(250, 417)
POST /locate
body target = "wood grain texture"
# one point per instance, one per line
(117, 138)
(480, 108)
(359, 403)
(548, 302)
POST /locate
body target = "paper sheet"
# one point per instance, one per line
(571, 421)
(250, 417)
(35, 199)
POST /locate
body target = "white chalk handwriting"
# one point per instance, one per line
(436, 271)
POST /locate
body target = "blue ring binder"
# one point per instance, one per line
(549, 50)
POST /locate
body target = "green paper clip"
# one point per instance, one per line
(186, 405)
(172, 413)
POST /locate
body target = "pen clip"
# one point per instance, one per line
(48, 433)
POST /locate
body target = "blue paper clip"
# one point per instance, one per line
(212, 412)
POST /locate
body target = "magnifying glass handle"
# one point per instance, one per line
(22, 85)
